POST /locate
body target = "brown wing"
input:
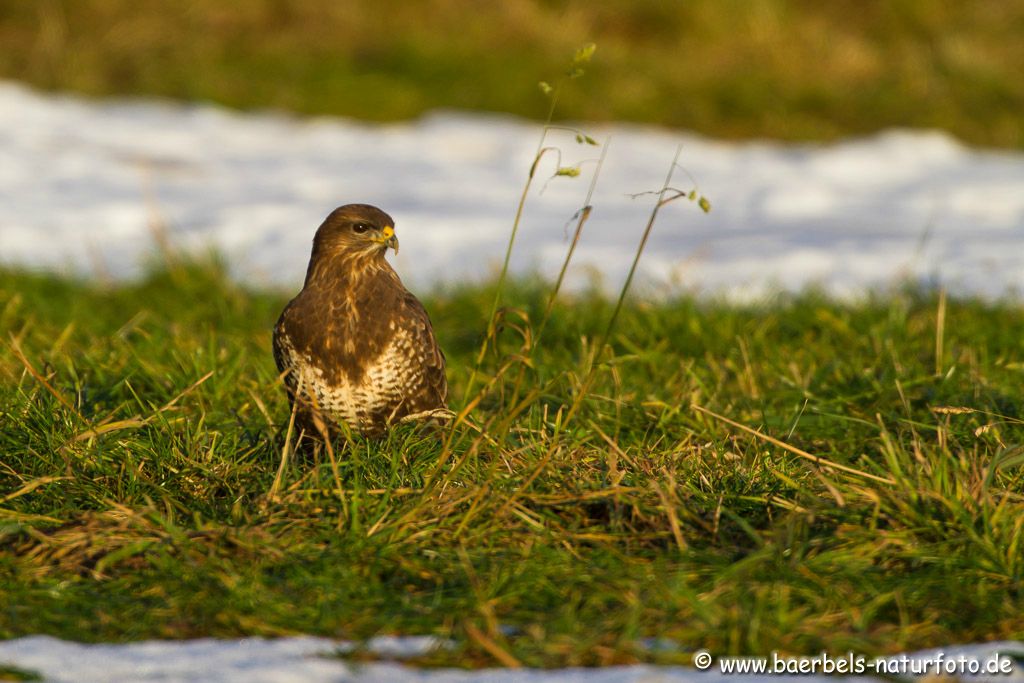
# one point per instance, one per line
(433, 390)
(283, 347)
(289, 334)
(282, 358)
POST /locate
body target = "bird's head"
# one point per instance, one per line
(355, 231)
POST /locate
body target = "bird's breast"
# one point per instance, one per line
(362, 392)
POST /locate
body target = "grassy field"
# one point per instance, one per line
(796, 474)
(792, 69)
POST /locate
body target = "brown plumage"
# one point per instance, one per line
(355, 346)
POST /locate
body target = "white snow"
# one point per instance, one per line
(84, 182)
(314, 660)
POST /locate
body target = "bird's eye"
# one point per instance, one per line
(360, 228)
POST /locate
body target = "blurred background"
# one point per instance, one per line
(784, 69)
(252, 118)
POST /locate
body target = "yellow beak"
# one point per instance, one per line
(388, 238)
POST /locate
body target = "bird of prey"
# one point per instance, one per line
(355, 346)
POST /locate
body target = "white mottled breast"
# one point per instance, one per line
(386, 380)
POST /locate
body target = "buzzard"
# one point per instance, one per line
(354, 346)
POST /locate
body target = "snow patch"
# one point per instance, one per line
(308, 659)
(84, 184)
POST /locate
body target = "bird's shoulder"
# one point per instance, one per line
(304, 327)
(301, 313)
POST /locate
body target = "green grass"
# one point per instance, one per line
(793, 69)
(141, 431)
(797, 474)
